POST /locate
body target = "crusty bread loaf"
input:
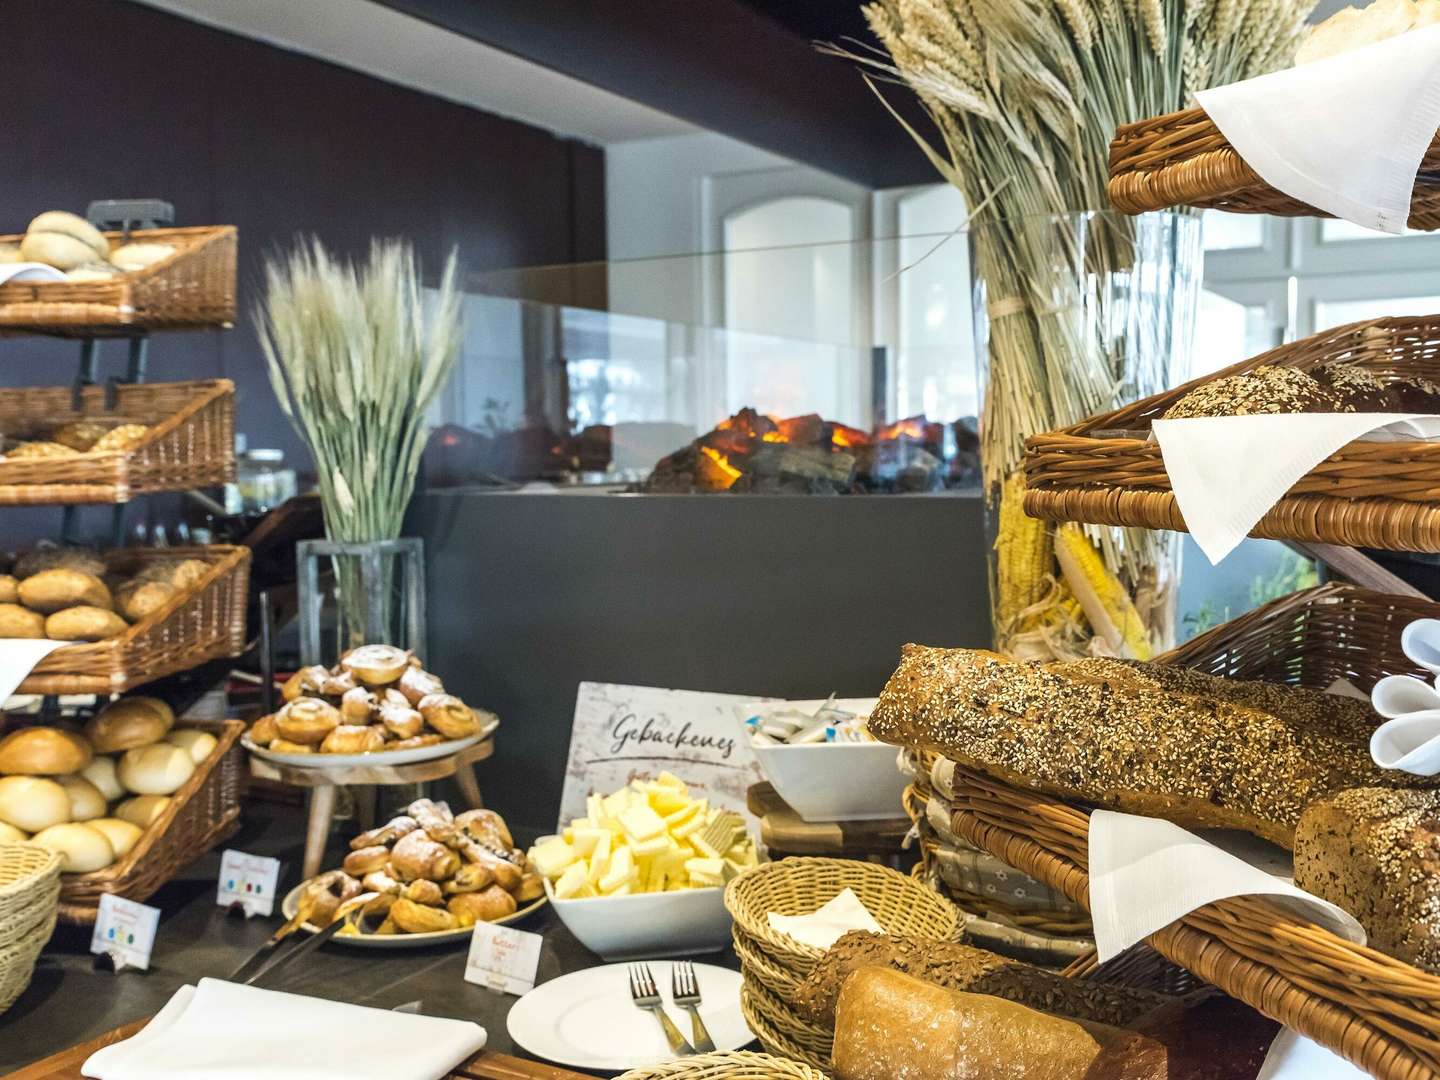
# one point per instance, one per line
(1200, 751)
(963, 967)
(1376, 853)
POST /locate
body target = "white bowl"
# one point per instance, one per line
(833, 781)
(648, 925)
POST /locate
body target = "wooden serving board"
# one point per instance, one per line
(783, 830)
(485, 1065)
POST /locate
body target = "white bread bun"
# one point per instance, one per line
(139, 256)
(32, 803)
(55, 249)
(198, 744)
(155, 770)
(86, 801)
(81, 848)
(72, 225)
(101, 773)
(9, 834)
(143, 809)
(10, 253)
(92, 272)
(121, 834)
(43, 751)
(128, 723)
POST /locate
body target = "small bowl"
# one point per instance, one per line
(647, 925)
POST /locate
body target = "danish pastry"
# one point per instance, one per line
(376, 665)
(353, 739)
(307, 720)
(448, 715)
(416, 918)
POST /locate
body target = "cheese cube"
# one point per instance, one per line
(699, 806)
(616, 804)
(571, 882)
(622, 870)
(595, 809)
(600, 858)
(585, 839)
(667, 800)
(705, 872)
(623, 890)
(551, 857)
(669, 779)
(642, 823)
(656, 845)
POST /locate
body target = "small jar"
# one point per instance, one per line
(263, 480)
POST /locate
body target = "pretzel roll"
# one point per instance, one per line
(365, 860)
(415, 855)
(449, 716)
(307, 721)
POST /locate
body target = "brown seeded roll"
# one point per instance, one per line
(1265, 389)
(9, 589)
(264, 731)
(1376, 853)
(1356, 387)
(53, 590)
(20, 622)
(963, 967)
(43, 751)
(84, 623)
(128, 723)
(415, 684)
(449, 716)
(307, 720)
(353, 739)
(1195, 757)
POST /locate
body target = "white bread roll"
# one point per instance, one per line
(9, 834)
(142, 809)
(139, 256)
(33, 803)
(55, 249)
(72, 225)
(86, 801)
(92, 272)
(101, 773)
(198, 744)
(81, 848)
(121, 834)
(128, 723)
(43, 751)
(155, 770)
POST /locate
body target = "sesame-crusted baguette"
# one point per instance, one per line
(1376, 853)
(1126, 743)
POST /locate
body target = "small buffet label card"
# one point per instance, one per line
(623, 733)
(503, 959)
(126, 931)
(248, 880)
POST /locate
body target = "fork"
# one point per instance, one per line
(647, 997)
(685, 992)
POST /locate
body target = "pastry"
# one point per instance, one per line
(379, 881)
(32, 803)
(19, 622)
(353, 739)
(304, 683)
(358, 705)
(1119, 736)
(9, 589)
(123, 437)
(530, 889)
(198, 744)
(82, 849)
(326, 893)
(337, 685)
(84, 624)
(128, 723)
(486, 826)
(416, 683)
(376, 665)
(401, 723)
(422, 891)
(469, 878)
(487, 905)
(101, 773)
(264, 731)
(387, 834)
(415, 743)
(138, 256)
(160, 769)
(285, 746)
(415, 918)
(122, 835)
(307, 720)
(86, 802)
(415, 855)
(448, 715)
(51, 590)
(1376, 853)
(43, 751)
(142, 810)
(364, 860)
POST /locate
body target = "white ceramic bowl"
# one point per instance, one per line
(833, 781)
(648, 925)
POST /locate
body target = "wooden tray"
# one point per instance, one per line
(1183, 160)
(204, 623)
(190, 444)
(1367, 494)
(203, 812)
(193, 288)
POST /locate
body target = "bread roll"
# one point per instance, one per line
(121, 438)
(19, 622)
(39, 449)
(79, 434)
(188, 573)
(128, 723)
(49, 556)
(155, 770)
(142, 809)
(121, 834)
(84, 624)
(487, 905)
(9, 834)
(307, 720)
(64, 223)
(86, 801)
(57, 250)
(10, 253)
(9, 589)
(92, 272)
(82, 850)
(198, 744)
(52, 590)
(43, 751)
(138, 256)
(144, 599)
(101, 773)
(32, 803)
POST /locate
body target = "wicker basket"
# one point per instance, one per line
(190, 444)
(204, 811)
(1183, 160)
(1381, 1014)
(736, 1065)
(29, 888)
(1106, 471)
(194, 287)
(203, 623)
(781, 1032)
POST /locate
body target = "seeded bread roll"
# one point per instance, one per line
(1127, 742)
(1265, 389)
(1376, 853)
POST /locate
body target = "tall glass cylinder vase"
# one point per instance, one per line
(355, 594)
(1077, 315)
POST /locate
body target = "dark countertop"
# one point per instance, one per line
(68, 1001)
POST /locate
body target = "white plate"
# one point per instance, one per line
(374, 757)
(291, 904)
(586, 1019)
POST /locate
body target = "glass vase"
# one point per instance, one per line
(1076, 315)
(354, 594)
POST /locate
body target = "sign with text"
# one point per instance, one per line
(248, 880)
(125, 930)
(503, 959)
(622, 733)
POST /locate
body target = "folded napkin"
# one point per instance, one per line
(29, 271)
(1294, 1057)
(1345, 134)
(1211, 462)
(1145, 873)
(223, 1031)
(18, 657)
(825, 926)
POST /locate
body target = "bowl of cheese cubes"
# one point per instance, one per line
(642, 874)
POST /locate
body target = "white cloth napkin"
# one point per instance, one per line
(29, 271)
(1145, 873)
(825, 926)
(1344, 134)
(1212, 462)
(18, 657)
(223, 1031)
(1294, 1057)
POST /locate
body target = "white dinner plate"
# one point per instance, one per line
(291, 904)
(586, 1019)
(374, 757)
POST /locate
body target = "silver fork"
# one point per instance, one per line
(685, 992)
(647, 997)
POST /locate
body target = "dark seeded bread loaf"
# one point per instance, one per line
(1145, 739)
(1376, 853)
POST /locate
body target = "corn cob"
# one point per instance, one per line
(1024, 555)
(1106, 603)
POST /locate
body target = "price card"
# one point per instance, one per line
(503, 958)
(126, 931)
(248, 880)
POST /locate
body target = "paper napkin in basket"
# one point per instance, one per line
(1345, 134)
(18, 657)
(220, 1030)
(826, 925)
(1228, 471)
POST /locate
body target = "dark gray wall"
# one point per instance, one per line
(774, 595)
